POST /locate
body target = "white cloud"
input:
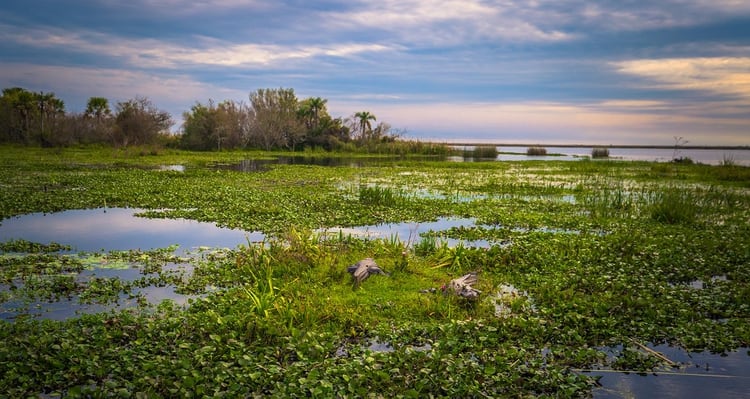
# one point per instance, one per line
(152, 53)
(434, 22)
(719, 75)
(75, 85)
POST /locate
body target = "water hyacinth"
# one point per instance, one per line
(587, 269)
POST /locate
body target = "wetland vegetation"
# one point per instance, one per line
(586, 266)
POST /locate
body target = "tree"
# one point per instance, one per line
(275, 122)
(212, 126)
(365, 127)
(199, 127)
(49, 108)
(312, 110)
(138, 121)
(98, 108)
(98, 120)
(18, 109)
(329, 134)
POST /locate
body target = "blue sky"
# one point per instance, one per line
(545, 71)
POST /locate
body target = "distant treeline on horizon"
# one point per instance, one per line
(274, 119)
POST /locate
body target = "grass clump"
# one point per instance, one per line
(485, 152)
(674, 206)
(382, 196)
(536, 151)
(600, 152)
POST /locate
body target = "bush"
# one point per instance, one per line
(600, 152)
(536, 151)
(683, 160)
(485, 151)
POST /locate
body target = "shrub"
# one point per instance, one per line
(683, 160)
(536, 151)
(600, 152)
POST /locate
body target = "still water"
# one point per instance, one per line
(110, 229)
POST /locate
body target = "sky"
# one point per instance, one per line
(496, 71)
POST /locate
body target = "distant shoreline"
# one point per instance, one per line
(671, 147)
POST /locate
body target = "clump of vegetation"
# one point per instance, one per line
(536, 151)
(600, 152)
(683, 160)
(728, 160)
(674, 206)
(378, 195)
(485, 152)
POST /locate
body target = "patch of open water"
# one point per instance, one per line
(701, 375)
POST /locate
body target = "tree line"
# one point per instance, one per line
(272, 119)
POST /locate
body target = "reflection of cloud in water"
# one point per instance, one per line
(119, 229)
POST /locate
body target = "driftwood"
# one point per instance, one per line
(654, 353)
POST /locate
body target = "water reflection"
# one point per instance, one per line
(410, 232)
(108, 229)
(113, 229)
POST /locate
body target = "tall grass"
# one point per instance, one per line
(536, 151)
(671, 205)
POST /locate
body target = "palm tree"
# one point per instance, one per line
(364, 122)
(48, 106)
(98, 107)
(316, 105)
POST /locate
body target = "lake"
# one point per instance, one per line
(706, 156)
